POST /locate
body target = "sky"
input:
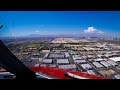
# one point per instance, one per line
(23, 23)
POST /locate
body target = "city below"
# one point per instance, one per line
(92, 55)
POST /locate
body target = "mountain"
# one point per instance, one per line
(70, 35)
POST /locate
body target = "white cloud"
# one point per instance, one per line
(100, 32)
(37, 31)
(92, 30)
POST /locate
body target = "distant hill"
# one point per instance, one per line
(61, 36)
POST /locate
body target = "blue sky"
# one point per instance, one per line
(22, 23)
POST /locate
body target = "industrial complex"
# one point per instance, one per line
(95, 58)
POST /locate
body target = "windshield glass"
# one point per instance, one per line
(83, 41)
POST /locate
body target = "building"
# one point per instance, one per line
(91, 59)
(99, 59)
(91, 72)
(67, 55)
(40, 59)
(56, 55)
(43, 65)
(115, 59)
(46, 55)
(117, 76)
(56, 51)
(107, 73)
(45, 51)
(70, 66)
(90, 56)
(72, 52)
(107, 55)
(34, 58)
(37, 55)
(112, 63)
(37, 65)
(86, 66)
(77, 57)
(52, 65)
(47, 61)
(105, 64)
(97, 65)
(88, 48)
(80, 61)
(115, 54)
(62, 61)
(37, 60)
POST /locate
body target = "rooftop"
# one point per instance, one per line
(99, 59)
(112, 62)
(36, 65)
(45, 51)
(107, 73)
(80, 61)
(67, 54)
(47, 61)
(62, 61)
(105, 63)
(70, 66)
(76, 57)
(86, 66)
(116, 59)
(56, 55)
(91, 72)
(98, 64)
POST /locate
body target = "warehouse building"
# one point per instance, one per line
(40, 59)
(33, 58)
(77, 57)
(86, 66)
(62, 61)
(45, 51)
(36, 59)
(105, 64)
(37, 55)
(47, 61)
(91, 72)
(98, 65)
(72, 52)
(115, 59)
(43, 65)
(67, 55)
(46, 55)
(80, 61)
(56, 56)
(36, 65)
(52, 65)
(112, 63)
(107, 73)
(90, 56)
(70, 66)
(99, 59)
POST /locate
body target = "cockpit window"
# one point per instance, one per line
(81, 41)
